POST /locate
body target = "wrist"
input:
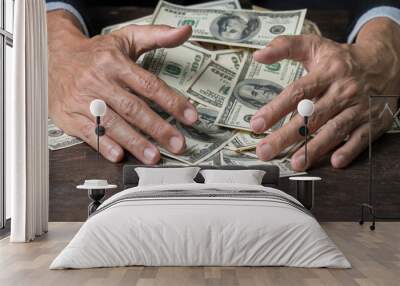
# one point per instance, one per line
(377, 50)
(63, 28)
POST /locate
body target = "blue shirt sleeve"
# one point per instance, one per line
(390, 12)
(76, 8)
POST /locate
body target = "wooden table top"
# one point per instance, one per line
(338, 196)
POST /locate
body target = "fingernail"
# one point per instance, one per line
(338, 161)
(258, 124)
(260, 52)
(150, 154)
(176, 143)
(190, 115)
(256, 53)
(299, 162)
(265, 152)
(114, 153)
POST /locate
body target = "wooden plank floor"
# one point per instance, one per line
(375, 257)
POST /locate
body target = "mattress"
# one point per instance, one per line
(201, 225)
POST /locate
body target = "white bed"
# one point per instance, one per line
(201, 224)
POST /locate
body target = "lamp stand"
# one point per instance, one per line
(100, 131)
(303, 131)
(305, 143)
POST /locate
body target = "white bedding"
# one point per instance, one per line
(134, 227)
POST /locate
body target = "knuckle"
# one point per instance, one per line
(83, 81)
(87, 131)
(270, 109)
(172, 103)
(339, 66)
(158, 129)
(106, 42)
(345, 93)
(316, 119)
(339, 129)
(297, 92)
(353, 117)
(107, 49)
(280, 140)
(130, 108)
(151, 84)
(335, 125)
(134, 141)
(103, 57)
(354, 86)
(111, 121)
(339, 97)
(282, 39)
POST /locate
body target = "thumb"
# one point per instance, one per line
(297, 48)
(148, 37)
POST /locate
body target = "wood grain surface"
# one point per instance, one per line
(338, 196)
(375, 258)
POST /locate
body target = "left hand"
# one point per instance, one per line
(340, 78)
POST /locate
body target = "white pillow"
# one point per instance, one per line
(166, 176)
(246, 177)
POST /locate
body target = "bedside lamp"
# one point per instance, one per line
(305, 186)
(97, 188)
(98, 109)
(305, 108)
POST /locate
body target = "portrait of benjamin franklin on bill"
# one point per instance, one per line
(255, 93)
(235, 27)
(204, 129)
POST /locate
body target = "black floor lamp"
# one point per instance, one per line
(369, 206)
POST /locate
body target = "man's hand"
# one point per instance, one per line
(340, 78)
(82, 69)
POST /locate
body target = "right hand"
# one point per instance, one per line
(82, 69)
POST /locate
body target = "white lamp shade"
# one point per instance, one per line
(305, 108)
(98, 107)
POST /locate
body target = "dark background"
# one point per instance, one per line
(353, 8)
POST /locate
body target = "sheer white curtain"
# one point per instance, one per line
(26, 117)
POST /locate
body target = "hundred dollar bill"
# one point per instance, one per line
(230, 59)
(165, 161)
(241, 28)
(229, 157)
(223, 4)
(214, 160)
(178, 65)
(213, 85)
(309, 27)
(58, 139)
(203, 139)
(257, 85)
(245, 141)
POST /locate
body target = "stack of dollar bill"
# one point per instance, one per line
(216, 71)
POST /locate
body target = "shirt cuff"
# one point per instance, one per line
(67, 7)
(381, 11)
